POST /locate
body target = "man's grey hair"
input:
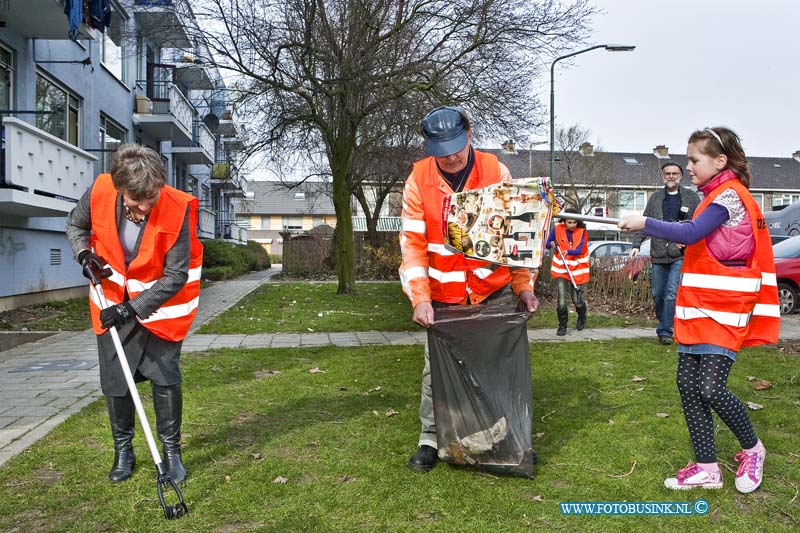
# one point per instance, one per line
(137, 171)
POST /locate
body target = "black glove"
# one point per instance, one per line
(117, 315)
(93, 265)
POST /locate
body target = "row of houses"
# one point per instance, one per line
(66, 105)
(611, 184)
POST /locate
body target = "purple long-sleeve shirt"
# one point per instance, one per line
(688, 232)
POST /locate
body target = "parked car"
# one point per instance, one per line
(787, 270)
(615, 256)
(599, 249)
(778, 238)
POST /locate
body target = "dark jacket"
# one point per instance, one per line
(662, 251)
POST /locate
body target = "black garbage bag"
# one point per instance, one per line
(481, 381)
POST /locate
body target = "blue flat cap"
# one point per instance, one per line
(444, 130)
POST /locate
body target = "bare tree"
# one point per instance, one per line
(318, 75)
(585, 172)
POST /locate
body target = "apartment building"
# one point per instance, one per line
(133, 75)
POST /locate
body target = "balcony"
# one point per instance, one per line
(164, 22)
(200, 151)
(164, 112)
(229, 124)
(189, 71)
(229, 230)
(206, 223)
(232, 144)
(43, 176)
(40, 19)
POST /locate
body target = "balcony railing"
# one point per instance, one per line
(206, 223)
(42, 174)
(388, 224)
(229, 230)
(156, 99)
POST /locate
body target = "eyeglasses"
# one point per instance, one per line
(670, 174)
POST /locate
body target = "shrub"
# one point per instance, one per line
(379, 263)
(223, 260)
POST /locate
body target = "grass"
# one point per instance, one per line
(67, 315)
(328, 434)
(313, 306)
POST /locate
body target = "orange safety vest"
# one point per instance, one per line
(726, 306)
(172, 320)
(452, 275)
(578, 264)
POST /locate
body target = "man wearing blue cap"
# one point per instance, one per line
(431, 275)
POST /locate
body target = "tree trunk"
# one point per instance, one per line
(345, 257)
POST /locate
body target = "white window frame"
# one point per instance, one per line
(105, 121)
(119, 49)
(9, 68)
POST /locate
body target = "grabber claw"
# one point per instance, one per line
(171, 512)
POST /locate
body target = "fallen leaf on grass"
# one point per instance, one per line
(315, 370)
(638, 378)
(662, 415)
(376, 413)
(754, 406)
(345, 479)
(227, 478)
(280, 479)
(374, 389)
(537, 498)
(391, 412)
(762, 385)
(751, 378)
(611, 422)
(538, 435)
(257, 456)
(638, 389)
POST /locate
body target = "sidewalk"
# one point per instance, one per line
(45, 382)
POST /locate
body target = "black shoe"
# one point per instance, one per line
(665, 340)
(561, 331)
(124, 462)
(425, 459)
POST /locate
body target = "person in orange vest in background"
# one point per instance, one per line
(569, 241)
(140, 236)
(434, 277)
(727, 299)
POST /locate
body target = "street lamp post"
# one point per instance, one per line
(530, 156)
(608, 47)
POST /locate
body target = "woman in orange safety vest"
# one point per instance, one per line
(139, 236)
(727, 298)
(570, 256)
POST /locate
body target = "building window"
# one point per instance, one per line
(632, 201)
(112, 135)
(292, 223)
(112, 46)
(779, 199)
(6, 78)
(759, 198)
(58, 110)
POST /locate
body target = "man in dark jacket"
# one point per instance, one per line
(672, 203)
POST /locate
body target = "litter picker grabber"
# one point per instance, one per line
(163, 481)
(564, 260)
(588, 218)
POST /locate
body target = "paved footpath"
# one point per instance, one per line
(45, 382)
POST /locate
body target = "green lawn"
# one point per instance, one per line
(303, 307)
(328, 434)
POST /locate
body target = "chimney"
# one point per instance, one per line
(796, 156)
(661, 151)
(586, 149)
(509, 147)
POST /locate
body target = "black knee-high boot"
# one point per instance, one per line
(168, 404)
(121, 416)
(563, 315)
(581, 318)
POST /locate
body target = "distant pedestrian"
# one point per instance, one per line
(727, 299)
(672, 203)
(140, 236)
(569, 269)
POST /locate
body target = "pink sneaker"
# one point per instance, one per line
(692, 476)
(751, 470)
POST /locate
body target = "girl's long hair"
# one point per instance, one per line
(721, 140)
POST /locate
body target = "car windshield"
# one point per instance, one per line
(788, 248)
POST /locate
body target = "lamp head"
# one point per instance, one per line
(619, 48)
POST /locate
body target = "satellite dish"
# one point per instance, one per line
(211, 121)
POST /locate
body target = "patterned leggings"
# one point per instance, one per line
(702, 383)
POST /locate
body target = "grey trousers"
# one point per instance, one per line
(427, 436)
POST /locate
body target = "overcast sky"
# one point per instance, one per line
(697, 63)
